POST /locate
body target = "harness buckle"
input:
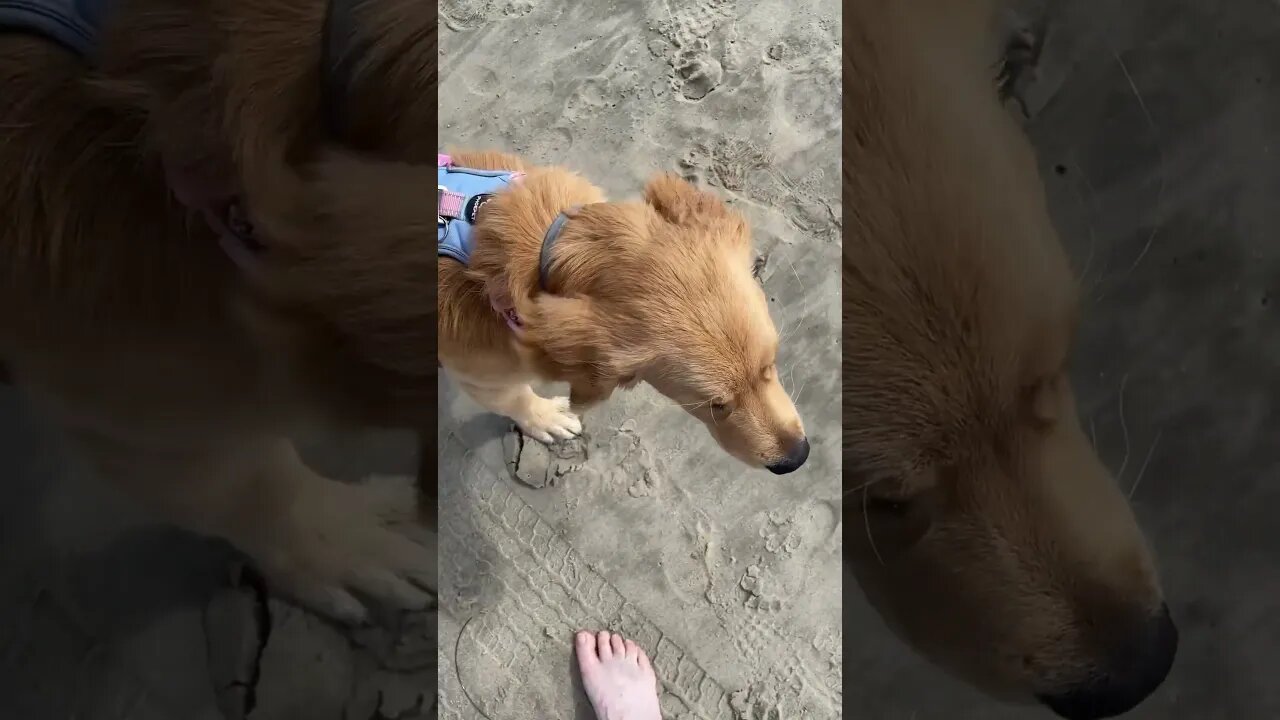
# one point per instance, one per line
(440, 191)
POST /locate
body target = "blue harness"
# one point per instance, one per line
(460, 193)
(74, 24)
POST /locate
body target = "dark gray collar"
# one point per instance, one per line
(548, 243)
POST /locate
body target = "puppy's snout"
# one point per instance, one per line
(795, 457)
(1137, 665)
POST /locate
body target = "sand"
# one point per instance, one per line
(728, 576)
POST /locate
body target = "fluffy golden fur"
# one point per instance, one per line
(978, 517)
(180, 375)
(659, 291)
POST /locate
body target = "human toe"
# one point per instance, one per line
(604, 645)
(587, 657)
(643, 660)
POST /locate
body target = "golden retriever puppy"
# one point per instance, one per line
(978, 517)
(214, 237)
(561, 285)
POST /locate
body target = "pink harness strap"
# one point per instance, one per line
(448, 204)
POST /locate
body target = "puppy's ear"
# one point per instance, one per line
(680, 202)
(199, 170)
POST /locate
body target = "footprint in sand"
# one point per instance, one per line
(741, 167)
(495, 652)
(790, 539)
(632, 467)
(759, 701)
(689, 49)
(689, 567)
(473, 14)
(538, 465)
(592, 96)
(726, 162)
(697, 71)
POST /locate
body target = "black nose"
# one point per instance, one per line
(794, 459)
(1135, 668)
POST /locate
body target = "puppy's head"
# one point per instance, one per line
(1008, 555)
(663, 292)
(979, 519)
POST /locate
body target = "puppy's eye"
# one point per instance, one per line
(895, 522)
(888, 507)
(720, 407)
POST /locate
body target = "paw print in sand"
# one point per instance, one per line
(538, 465)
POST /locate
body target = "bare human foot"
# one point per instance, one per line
(618, 677)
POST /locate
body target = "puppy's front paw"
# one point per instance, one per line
(346, 542)
(549, 420)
